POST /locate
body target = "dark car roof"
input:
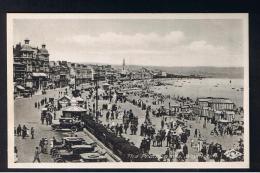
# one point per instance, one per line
(73, 139)
(81, 146)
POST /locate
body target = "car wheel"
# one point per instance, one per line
(59, 160)
(53, 152)
(74, 129)
(56, 155)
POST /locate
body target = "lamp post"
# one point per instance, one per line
(96, 83)
(75, 83)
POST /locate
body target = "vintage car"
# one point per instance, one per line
(93, 157)
(67, 143)
(67, 124)
(72, 154)
(26, 93)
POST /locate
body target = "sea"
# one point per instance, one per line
(206, 87)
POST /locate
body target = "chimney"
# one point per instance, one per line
(43, 46)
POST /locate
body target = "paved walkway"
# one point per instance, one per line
(27, 114)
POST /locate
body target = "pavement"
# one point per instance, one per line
(26, 114)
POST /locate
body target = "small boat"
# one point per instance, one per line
(233, 88)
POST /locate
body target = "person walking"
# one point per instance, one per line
(24, 131)
(120, 129)
(50, 119)
(42, 119)
(162, 124)
(171, 154)
(142, 130)
(15, 155)
(15, 131)
(126, 127)
(195, 133)
(132, 129)
(168, 138)
(185, 150)
(47, 117)
(37, 155)
(117, 129)
(107, 115)
(19, 130)
(32, 133)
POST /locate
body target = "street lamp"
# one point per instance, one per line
(96, 87)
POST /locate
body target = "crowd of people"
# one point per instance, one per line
(24, 132)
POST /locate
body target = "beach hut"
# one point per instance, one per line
(229, 116)
(175, 108)
(218, 115)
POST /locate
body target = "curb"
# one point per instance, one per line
(100, 144)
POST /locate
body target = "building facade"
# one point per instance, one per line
(59, 73)
(31, 65)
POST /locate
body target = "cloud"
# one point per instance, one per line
(171, 49)
(111, 40)
(202, 45)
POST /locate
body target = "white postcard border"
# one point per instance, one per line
(129, 165)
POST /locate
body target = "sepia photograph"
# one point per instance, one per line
(136, 90)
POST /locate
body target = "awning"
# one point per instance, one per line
(74, 109)
(20, 87)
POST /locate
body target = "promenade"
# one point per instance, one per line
(26, 114)
(227, 142)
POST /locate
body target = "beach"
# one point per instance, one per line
(206, 87)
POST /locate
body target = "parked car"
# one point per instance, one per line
(67, 123)
(26, 93)
(93, 157)
(67, 143)
(73, 153)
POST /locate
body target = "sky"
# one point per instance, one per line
(156, 42)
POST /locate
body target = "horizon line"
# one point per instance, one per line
(150, 65)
